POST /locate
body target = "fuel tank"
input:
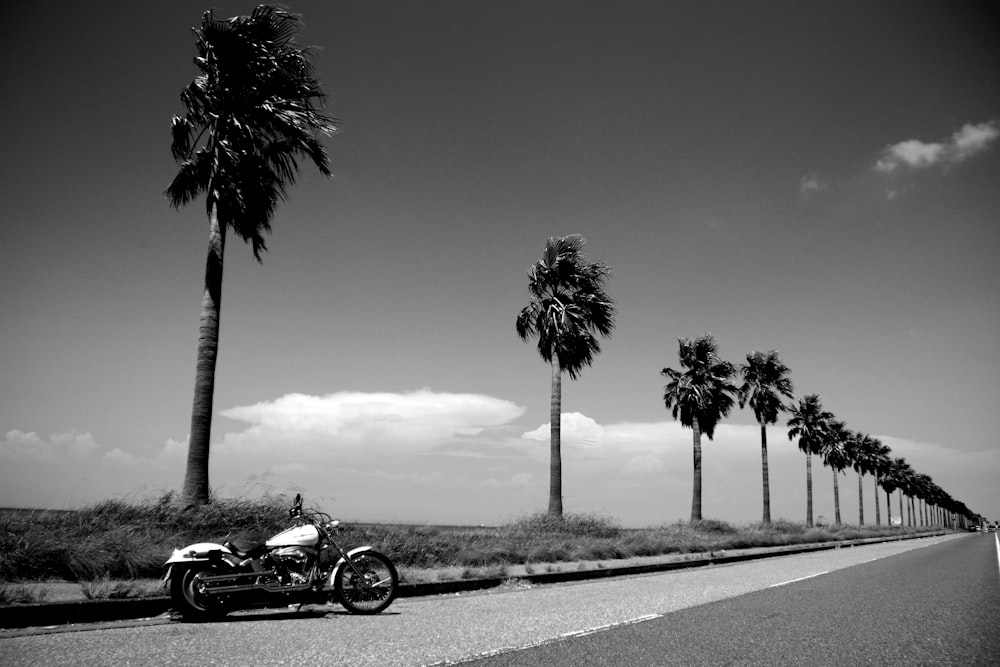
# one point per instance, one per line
(299, 536)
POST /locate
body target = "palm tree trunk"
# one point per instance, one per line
(836, 497)
(809, 490)
(555, 442)
(861, 501)
(900, 507)
(196, 488)
(878, 515)
(888, 508)
(764, 475)
(696, 492)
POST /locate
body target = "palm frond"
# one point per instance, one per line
(569, 307)
(705, 389)
(254, 110)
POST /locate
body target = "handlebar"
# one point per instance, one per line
(309, 515)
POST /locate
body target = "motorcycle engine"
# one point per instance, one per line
(295, 561)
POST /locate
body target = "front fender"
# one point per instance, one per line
(343, 563)
(202, 551)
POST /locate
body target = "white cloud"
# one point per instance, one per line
(644, 464)
(21, 445)
(575, 428)
(418, 417)
(522, 479)
(812, 185)
(118, 455)
(972, 139)
(29, 446)
(915, 154)
(639, 472)
(76, 444)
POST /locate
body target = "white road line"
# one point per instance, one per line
(792, 581)
(566, 635)
(600, 628)
(996, 537)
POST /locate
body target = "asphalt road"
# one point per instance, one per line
(859, 605)
(933, 606)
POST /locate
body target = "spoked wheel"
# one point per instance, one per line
(371, 588)
(187, 593)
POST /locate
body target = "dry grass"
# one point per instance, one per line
(115, 541)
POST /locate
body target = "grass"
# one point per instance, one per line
(107, 546)
(22, 594)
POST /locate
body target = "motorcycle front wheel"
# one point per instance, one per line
(371, 588)
(188, 596)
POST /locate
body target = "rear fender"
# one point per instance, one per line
(203, 552)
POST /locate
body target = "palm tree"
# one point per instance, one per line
(568, 310)
(701, 396)
(855, 456)
(765, 382)
(903, 474)
(251, 113)
(835, 456)
(880, 464)
(895, 478)
(932, 499)
(808, 423)
(889, 480)
(923, 488)
(906, 488)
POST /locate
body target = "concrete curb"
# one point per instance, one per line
(99, 611)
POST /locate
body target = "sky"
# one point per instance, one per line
(818, 178)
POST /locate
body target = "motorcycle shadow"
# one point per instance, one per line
(258, 615)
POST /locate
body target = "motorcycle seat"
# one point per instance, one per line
(241, 553)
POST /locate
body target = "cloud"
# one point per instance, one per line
(639, 472)
(914, 154)
(574, 428)
(118, 455)
(522, 479)
(397, 434)
(29, 446)
(355, 417)
(582, 431)
(812, 185)
(644, 464)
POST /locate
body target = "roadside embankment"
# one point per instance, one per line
(428, 582)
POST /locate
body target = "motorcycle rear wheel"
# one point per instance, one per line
(187, 595)
(371, 591)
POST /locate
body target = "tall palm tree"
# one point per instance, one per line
(889, 480)
(923, 487)
(835, 456)
(765, 382)
(808, 423)
(701, 395)
(880, 464)
(569, 308)
(251, 114)
(853, 450)
(932, 499)
(903, 474)
(894, 479)
(860, 450)
(906, 488)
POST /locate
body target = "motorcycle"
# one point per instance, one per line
(296, 566)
